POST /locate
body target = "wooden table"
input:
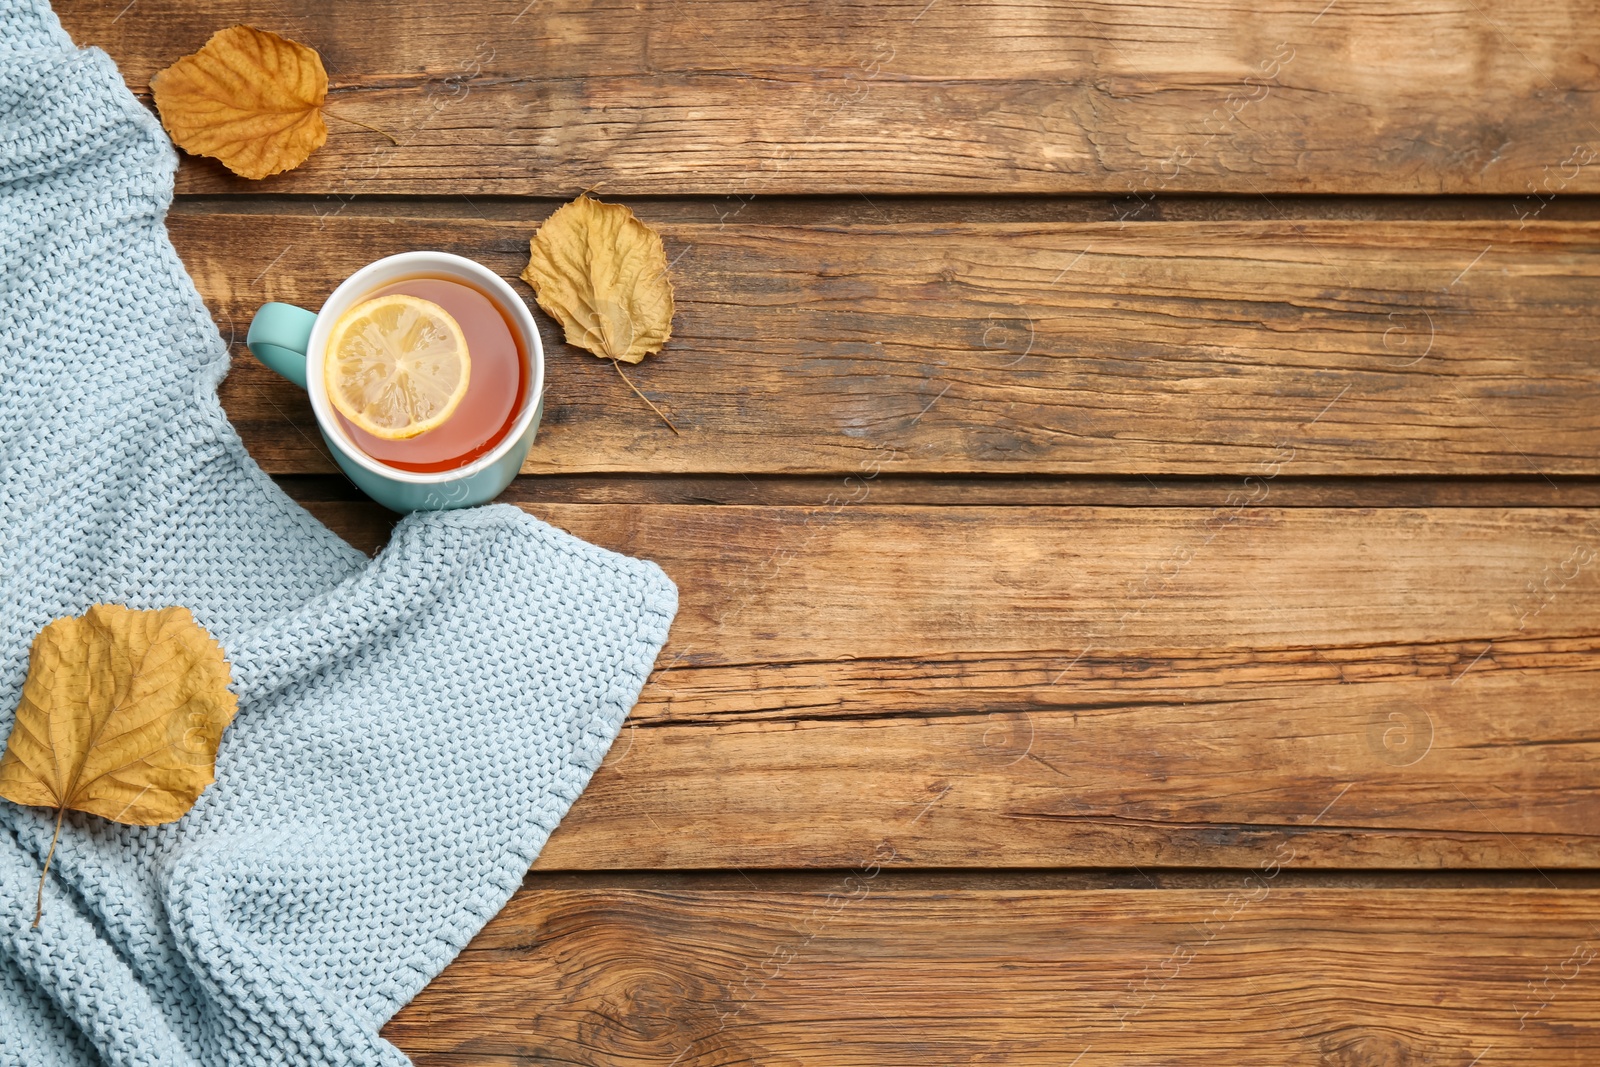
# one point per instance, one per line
(1137, 511)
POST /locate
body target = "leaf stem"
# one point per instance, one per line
(38, 906)
(617, 364)
(326, 110)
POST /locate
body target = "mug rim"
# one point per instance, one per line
(512, 304)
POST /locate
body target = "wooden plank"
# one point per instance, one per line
(1313, 347)
(1263, 973)
(1039, 687)
(1106, 686)
(504, 96)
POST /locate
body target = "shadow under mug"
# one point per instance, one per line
(292, 340)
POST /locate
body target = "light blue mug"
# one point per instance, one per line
(292, 340)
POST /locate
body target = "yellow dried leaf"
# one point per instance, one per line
(249, 98)
(120, 716)
(603, 275)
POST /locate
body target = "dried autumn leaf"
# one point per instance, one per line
(249, 98)
(603, 274)
(120, 716)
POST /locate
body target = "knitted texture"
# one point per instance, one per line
(411, 728)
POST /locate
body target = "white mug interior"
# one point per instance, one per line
(410, 265)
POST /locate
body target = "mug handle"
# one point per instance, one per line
(279, 336)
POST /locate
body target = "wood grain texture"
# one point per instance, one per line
(1016, 687)
(1324, 347)
(1262, 973)
(1151, 566)
(966, 95)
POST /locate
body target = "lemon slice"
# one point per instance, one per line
(396, 365)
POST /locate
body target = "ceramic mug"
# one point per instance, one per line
(292, 341)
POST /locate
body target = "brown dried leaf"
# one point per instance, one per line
(249, 98)
(603, 275)
(120, 716)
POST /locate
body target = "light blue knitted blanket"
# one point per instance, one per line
(411, 728)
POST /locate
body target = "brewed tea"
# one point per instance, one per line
(495, 386)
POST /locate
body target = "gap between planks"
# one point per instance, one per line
(833, 209)
(1065, 879)
(1008, 490)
